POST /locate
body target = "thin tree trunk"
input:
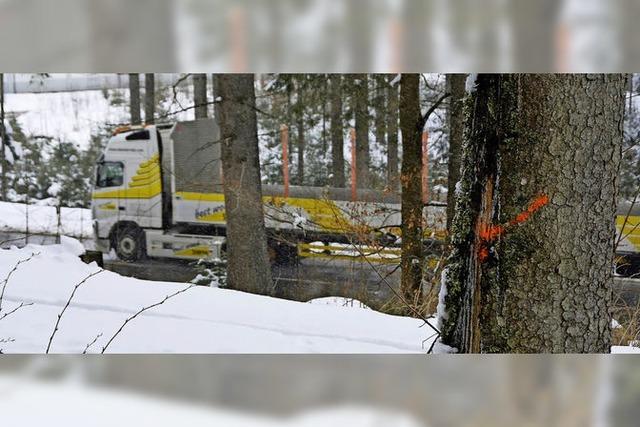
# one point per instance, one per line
(392, 135)
(299, 111)
(134, 98)
(533, 233)
(248, 264)
(411, 259)
(337, 133)
(380, 108)
(301, 142)
(361, 94)
(149, 98)
(200, 95)
(455, 86)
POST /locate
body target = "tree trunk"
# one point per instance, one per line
(200, 95)
(392, 135)
(300, 125)
(337, 133)
(134, 98)
(248, 264)
(380, 108)
(301, 148)
(411, 182)
(149, 98)
(455, 86)
(533, 233)
(361, 94)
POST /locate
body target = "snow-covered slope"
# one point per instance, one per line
(199, 320)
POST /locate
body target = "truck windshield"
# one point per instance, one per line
(110, 174)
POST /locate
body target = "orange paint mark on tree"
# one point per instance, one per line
(488, 232)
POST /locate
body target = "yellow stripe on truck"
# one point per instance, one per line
(145, 184)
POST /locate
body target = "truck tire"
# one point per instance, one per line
(129, 243)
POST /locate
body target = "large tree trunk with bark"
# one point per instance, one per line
(149, 98)
(200, 95)
(248, 264)
(134, 98)
(361, 95)
(411, 182)
(533, 232)
(455, 86)
(392, 135)
(337, 134)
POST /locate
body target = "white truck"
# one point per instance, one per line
(158, 193)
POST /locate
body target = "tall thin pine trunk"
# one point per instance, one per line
(337, 132)
(455, 86)
(411, 182)
(392, 135)
(149, 98)
(134, 98)
(363, 163)
(200, 95)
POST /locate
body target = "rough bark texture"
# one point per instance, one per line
(455, 86)
(134, 98)
(337, 134)
(200, 95)
(248, 265)
(533, 230)
(410, 120)
(392, 135)
(149, 98)
(361, 94)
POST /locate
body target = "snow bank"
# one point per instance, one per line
(202, 319)
(73, 404)
(43, 219)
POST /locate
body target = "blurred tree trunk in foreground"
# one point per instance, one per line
(533, 232)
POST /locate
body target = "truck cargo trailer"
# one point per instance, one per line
(158, 192)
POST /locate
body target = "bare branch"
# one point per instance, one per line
(425, 117)
(142, 310)
(91, 343)
(22, 304)
(75, 288)
(13, 270)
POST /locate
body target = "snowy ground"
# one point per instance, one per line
(72, 403)
(42, 218)
(206, 320)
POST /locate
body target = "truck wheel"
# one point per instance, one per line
(129, 243)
